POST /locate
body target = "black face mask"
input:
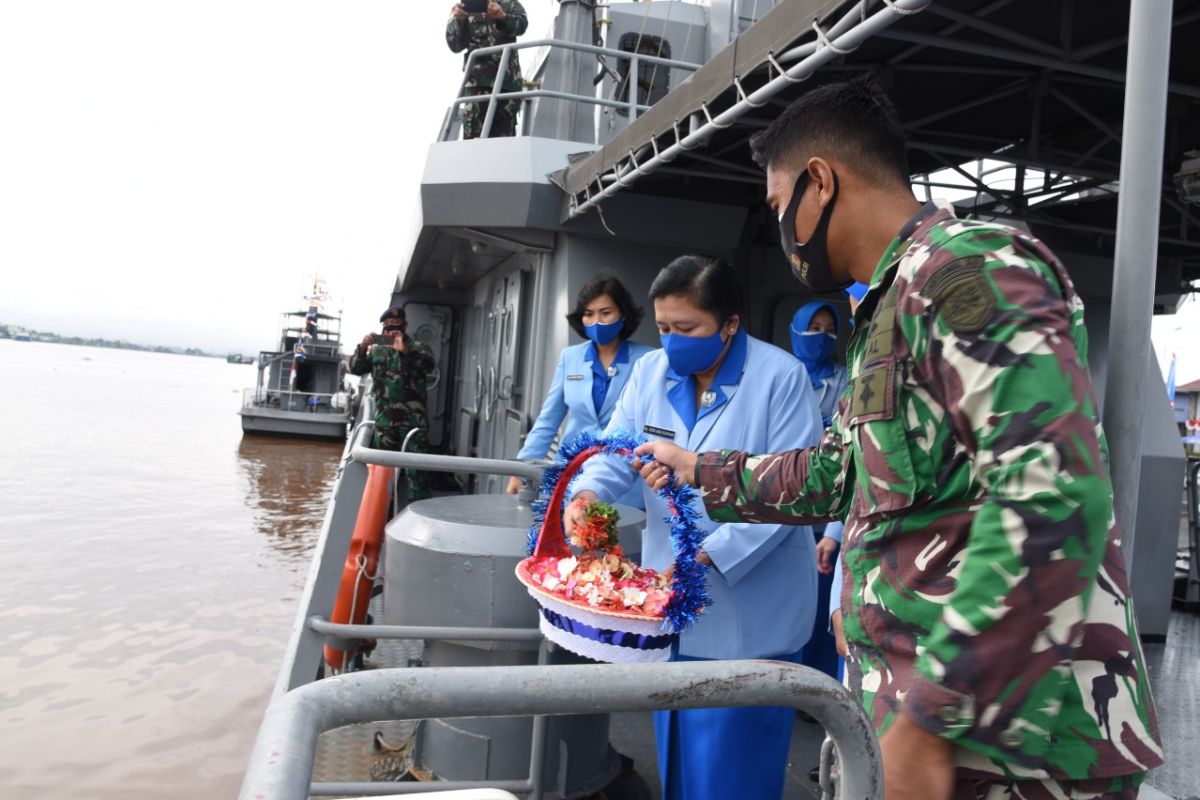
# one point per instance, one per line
(809, 261)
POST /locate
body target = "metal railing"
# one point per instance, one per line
(288, 400)
(855, 27)
(282, 761)
(303, 656)
(432, 462)
(507, 51)
(1191, 584)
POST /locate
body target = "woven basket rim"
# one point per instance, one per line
(524, 577)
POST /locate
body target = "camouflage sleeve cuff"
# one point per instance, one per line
(713, 482)
(708, 468)
(939, 710)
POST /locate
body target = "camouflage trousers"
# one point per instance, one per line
(414, 484)
(1123, 788)
(503, 124)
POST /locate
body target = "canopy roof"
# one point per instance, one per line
(1032, 84)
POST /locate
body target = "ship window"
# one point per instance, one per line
(653, 79)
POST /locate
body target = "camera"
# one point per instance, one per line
(383, 338)
(475, 6)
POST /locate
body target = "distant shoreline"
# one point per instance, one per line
(15, 333)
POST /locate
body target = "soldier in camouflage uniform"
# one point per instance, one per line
(399, 372)
(986, 606)
(502, 23)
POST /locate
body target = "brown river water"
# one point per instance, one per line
(151, 560)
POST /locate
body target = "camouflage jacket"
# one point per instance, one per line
(478, 31)
(399, 387)
(985, 593)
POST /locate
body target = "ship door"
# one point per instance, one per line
(499, 421)
(431, 325)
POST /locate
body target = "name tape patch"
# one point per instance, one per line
(655, 431)
(574, 377)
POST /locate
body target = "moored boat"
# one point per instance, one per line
(301, 388)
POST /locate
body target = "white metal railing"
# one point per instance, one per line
(281, 764)
(507, 51)
(855, 27)
(328, 348)
(289, 400)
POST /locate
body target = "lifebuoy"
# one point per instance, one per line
(354, 593)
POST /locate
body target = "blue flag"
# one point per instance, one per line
(1171, 381)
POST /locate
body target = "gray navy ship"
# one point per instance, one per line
(631, 150)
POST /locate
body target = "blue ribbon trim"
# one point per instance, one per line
(633, 641)
(689, 593)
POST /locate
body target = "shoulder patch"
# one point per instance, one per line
(961, 294)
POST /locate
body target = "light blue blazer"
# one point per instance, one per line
(570, 397)
(830, 390)
(764, 585)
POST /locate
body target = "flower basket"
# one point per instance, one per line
(631, 635)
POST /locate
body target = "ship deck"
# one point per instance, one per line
(354, 753)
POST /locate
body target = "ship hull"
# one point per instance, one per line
(273, 422)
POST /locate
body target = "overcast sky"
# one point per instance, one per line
(171, 172)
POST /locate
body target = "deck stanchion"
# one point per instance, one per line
(633, 87)
(505, 55)
(1136, 254)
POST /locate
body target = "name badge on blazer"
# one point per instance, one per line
(574, 377)
(654, 431)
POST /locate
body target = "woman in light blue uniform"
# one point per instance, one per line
(590, 376)
(814, 336)
(713, 386)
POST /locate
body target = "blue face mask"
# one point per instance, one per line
(813, 348)
(604, 332)
(688, 355)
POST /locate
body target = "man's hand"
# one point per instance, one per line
(366, 342)
(514, 485)
(400, 343)
(496, 11)
(839, 635)
(574, 512)
(826, 553)
(654, 459)
(458, 12)
(917, 764)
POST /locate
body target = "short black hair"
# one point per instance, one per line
(854, 121)
(709, 282)
(609, 285)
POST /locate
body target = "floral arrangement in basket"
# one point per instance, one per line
(596, 602)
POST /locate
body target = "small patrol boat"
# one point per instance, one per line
(301, 388)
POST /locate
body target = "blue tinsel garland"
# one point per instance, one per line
(688, 593)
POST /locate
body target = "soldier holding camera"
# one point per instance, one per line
(484, 23)
(400, 367)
